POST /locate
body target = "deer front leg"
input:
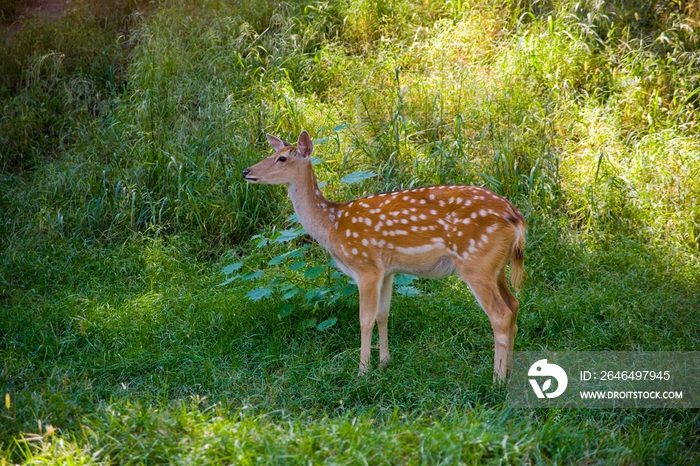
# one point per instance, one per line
(369, 286)
(383, 318)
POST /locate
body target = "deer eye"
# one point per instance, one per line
(282, 159)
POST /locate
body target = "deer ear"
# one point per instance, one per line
(276, 142)
(304, 144)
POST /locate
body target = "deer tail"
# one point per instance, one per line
(517, 249)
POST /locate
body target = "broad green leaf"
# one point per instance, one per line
(296, 254)
(315, 161)
(297, 266)
(229, 280)
(349, 290)
(402, 279)
(340, 127)
(278, 259)
(337, 274)
(314, 272)
(253, 275)
(315, 295)
(286, 310)
(260, 293)
(260, 241)
(409, 291)
(320, 141)
(328, 323)
(356, 177)
(293, 218)
(288, 235)
(290, 293)
(229, 269)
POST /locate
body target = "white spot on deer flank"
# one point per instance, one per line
(418, 249)
(355, 234)
(365, 242)
(354, 251)
(348, 233)
(482, 212)
(368, 222)
(484, 238)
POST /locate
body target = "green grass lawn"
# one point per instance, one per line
(123, 135)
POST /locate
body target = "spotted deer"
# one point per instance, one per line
(432, 231)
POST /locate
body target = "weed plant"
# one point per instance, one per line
(123, 134)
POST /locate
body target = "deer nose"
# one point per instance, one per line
(246, 172)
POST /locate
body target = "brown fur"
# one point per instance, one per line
(431, 232)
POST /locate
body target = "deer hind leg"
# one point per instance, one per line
(383, 318)
(488, 293)
(369, 286)
(512, 302)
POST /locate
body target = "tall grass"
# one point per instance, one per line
(532, 103)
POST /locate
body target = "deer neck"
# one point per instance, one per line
(315, 213)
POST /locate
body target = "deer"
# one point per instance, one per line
(431, 231)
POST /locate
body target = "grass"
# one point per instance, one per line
(122, 144)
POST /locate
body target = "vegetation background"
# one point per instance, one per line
(123, 132)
